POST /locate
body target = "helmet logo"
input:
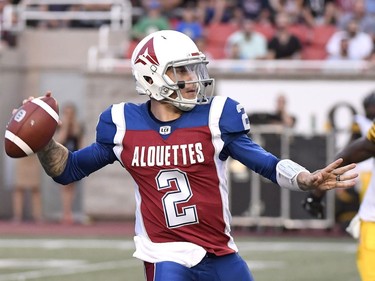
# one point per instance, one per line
(147, 52)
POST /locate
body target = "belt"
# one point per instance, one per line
(210, 255)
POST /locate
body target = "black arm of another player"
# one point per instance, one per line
(357, 151)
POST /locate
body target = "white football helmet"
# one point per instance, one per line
(175, 52)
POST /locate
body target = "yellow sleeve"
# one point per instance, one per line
(355, 128)
(371, 133)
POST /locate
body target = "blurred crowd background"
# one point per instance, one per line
(242, 29)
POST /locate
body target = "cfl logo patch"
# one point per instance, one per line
(165, 130)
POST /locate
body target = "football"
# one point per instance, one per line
(31, 127)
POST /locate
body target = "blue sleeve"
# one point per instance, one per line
(233, 121)
(85, 161)
(252, 155)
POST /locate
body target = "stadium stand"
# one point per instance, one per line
(302, 32)
(266, 29)
(216, 37)
(316, 48)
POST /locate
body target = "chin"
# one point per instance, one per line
(184, 107)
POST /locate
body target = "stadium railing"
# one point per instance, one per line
(112, 36)
(326, 67)
(256, 201)
(119, 14)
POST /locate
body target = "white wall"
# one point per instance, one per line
(305, 98)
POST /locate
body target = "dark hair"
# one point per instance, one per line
(369, 100)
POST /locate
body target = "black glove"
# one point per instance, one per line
(314, 206)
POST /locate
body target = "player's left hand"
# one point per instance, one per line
(331, 177)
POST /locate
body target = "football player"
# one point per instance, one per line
(357, 151)
(175, 147)
(362, 225)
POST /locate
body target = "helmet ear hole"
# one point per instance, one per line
(148, 80)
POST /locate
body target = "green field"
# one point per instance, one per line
(282, 259)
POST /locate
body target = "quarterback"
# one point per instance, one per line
(175, 147)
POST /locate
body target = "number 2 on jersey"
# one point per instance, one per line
(245, 118)
(171, 199)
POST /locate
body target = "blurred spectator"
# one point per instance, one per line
(281, 114)
(257, 10)
(237, 16)
(27, 180)
(308, 12)
(292, 8)
(214, 11)
(70, 134)
(151, 22)
(344, 6)
(322, 12)
(189, 24)
(246, 43)
(359, 45)
(366, 22)
(283, 45)
(343, 51)
(8, 38)
(2, 33)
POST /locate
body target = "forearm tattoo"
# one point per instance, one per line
(53, 158)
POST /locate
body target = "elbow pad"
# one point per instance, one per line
(287, 172)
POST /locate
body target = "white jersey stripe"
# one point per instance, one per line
(139, 225)
(19, 142)
(216, 110)
(46, 108)
(118, 118)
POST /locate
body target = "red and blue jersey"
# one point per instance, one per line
(179, 168)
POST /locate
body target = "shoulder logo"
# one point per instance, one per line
(165, 130)
(147, 53)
